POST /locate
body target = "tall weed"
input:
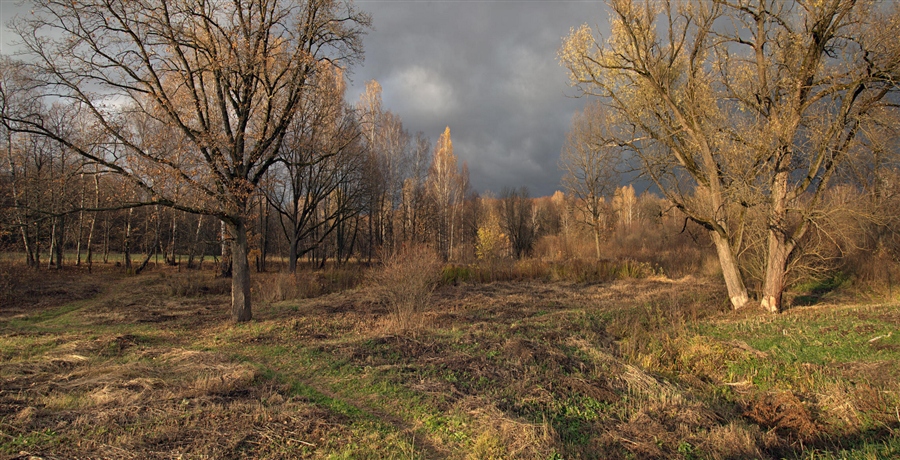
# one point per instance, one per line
(405, 284)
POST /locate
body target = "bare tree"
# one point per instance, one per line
(320, 154)
(516, 220)
(227, 75)
(589, 159)
(736, 105)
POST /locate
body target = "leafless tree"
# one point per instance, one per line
(729, 106)
(589, 160)
(516, 214)
(229, 76)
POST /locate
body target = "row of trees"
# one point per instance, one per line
(197, 124)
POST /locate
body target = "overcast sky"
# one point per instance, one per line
(488, 69)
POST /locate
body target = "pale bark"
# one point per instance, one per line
(734, 282)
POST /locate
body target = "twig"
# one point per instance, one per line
(880, 337)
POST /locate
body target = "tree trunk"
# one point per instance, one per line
(196, 243)
(780, 246)
(292, 253)
(172, 242)
(737, 292)
(776, 269)
(90, 239)
(127, 242)
(597, 235)
(80, 221)
(240, 280)
(225, 265)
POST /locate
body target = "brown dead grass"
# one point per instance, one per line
(525, 369)
(160, 403)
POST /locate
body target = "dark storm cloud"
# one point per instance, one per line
(487, 69)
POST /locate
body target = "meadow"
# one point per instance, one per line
(524, 360)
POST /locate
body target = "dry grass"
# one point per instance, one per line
(406, 282)
(629, 368)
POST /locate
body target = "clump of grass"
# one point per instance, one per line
(454, 274)
(406, 282)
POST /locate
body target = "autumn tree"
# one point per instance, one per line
(728, 106)
(588, 161)
(229, 76)
(445, 189)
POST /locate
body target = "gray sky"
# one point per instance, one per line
(488, 69)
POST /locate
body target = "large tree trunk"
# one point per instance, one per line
(240, 280)
(292, 253)
(780, 246)
(776, 268)
(734, 283)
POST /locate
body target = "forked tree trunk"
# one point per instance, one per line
(734, 283)
(240, 280)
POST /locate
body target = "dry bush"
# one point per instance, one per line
(406, 282)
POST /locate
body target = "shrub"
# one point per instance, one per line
(405, 283)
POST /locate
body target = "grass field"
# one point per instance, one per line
(113, 366)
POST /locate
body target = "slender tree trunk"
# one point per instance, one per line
(106, 239)
(225, 265)
(90, 239)
(734, 283)
(127, 241)
(240, 281)
(597, 235)
(80, 221)
(196, 243)
(173, 241)
(52, 244)
(61, 242)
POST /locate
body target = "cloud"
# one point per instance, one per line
(489, 71)
(420, 92)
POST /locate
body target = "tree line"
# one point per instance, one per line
(190, 130)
